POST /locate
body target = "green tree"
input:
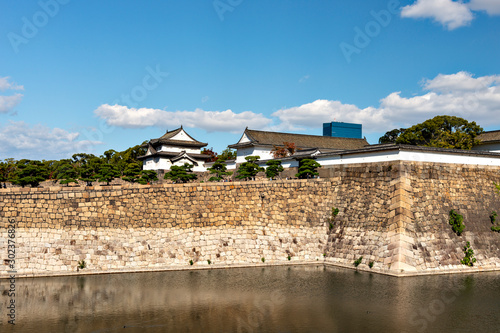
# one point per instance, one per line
(273, 169)
(440, 131)
(307, 168)
(7, 169)
(3, 172)
(51, 166)
(181, 173)
(108, 155)
(117, 159)
(66, 173)
(226, 155)
(391, 136)
(220, 170)
(250, 168)
(107, 172)
(147, 176)
(122, 160)
(29, 172)
(132, 172)
(88, 167)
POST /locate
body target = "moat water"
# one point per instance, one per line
(269, 299)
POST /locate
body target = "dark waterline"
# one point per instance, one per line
(270, 299)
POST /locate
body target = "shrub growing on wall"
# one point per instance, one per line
(331, 220)
(457, 222)
(468, 259)
(493, 218)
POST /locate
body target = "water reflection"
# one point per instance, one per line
(271, 299)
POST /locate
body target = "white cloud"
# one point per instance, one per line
(451, 14)
(7, 103)
(460, 94)
(321, 111)
(21, 140)
(492, 7)
(6, 85)
(462, 81)
(210, 121)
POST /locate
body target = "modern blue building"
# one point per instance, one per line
(342, 130)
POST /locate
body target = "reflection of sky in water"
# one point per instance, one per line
(271, 299)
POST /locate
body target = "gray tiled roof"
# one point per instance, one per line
(168, 154)
(167, 139)
(492, 136)
(301, 140)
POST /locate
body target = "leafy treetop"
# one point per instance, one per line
(29, 172)
(440, 131)
(66, 172)
(391, 136)
(226, 154)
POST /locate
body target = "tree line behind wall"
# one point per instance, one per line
(80, 167)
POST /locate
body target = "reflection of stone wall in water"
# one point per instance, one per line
(215, 301)
(394, 214)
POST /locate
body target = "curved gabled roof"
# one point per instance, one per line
(169, 138)
(302, 141)
(171, 155)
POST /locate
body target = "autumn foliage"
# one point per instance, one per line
(288, 149)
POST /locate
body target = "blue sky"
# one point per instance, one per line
(87, 76)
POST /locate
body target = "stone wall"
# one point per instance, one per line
(402, 222)
(158, 227)
(394, 214)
